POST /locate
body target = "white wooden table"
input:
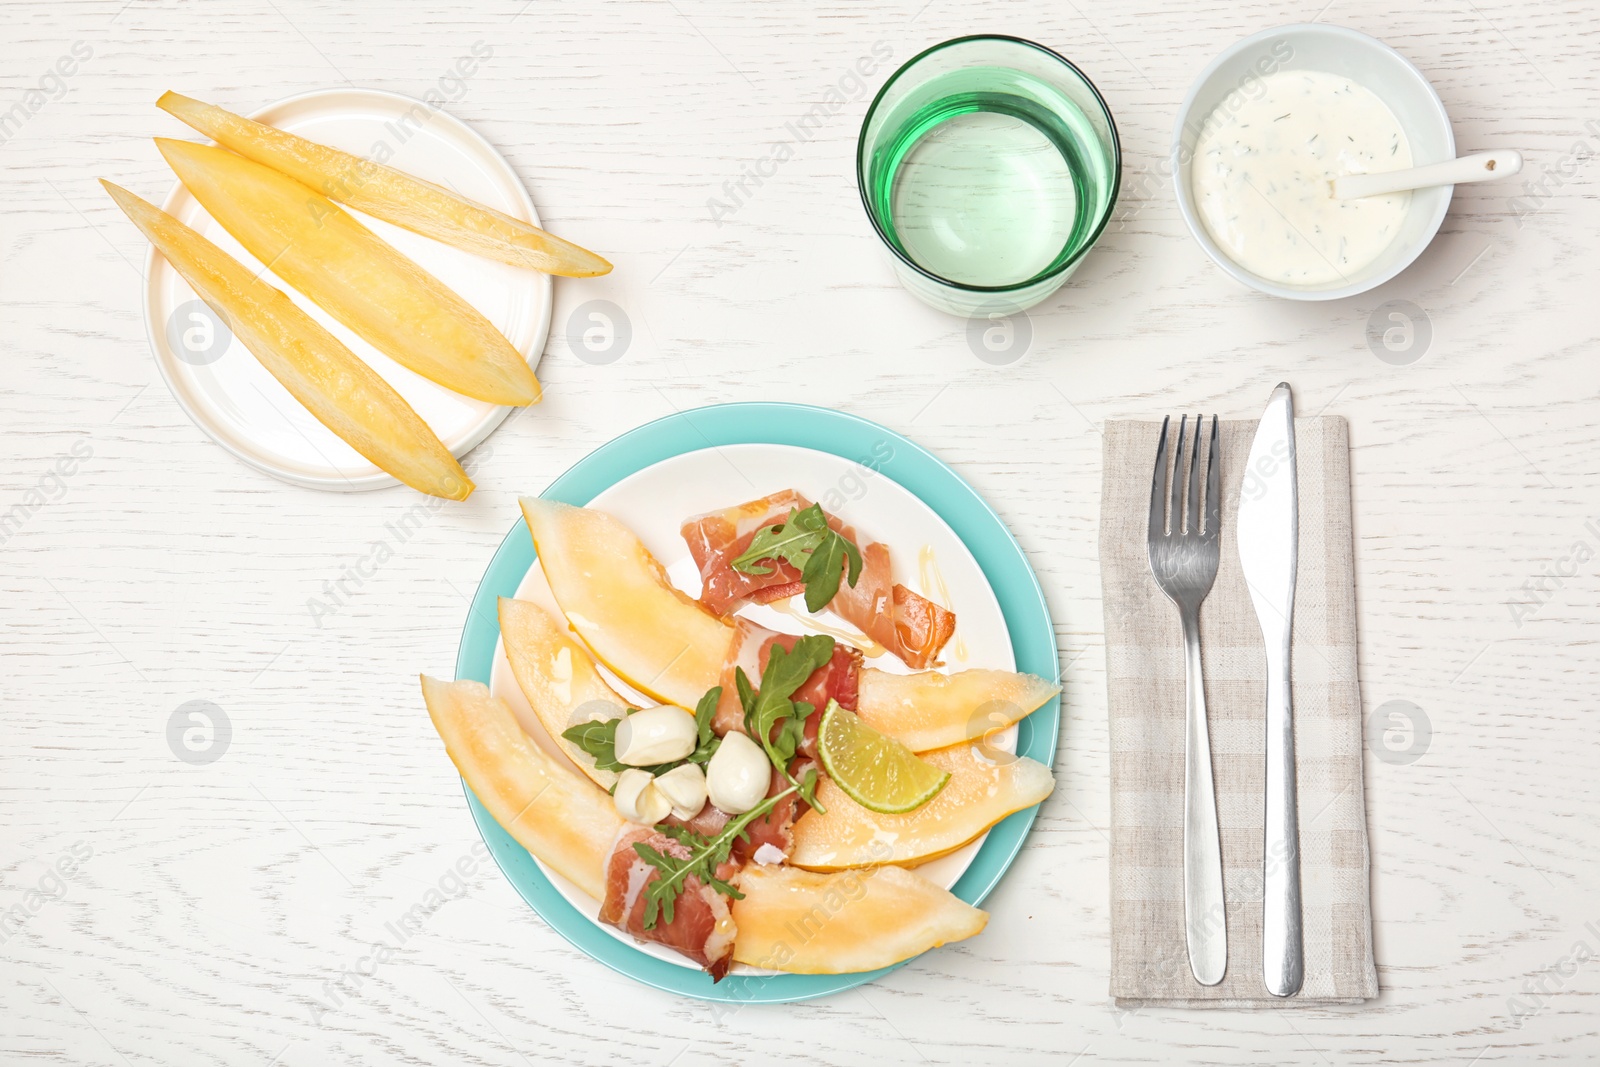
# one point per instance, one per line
(210, 907)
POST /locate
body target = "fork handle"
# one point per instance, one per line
(1205, 917)
(1282, 950)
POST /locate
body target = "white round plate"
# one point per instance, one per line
(655, 501)
(231, 396)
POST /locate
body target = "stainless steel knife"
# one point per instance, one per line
(1268, 533)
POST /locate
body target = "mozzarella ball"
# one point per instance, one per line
(655, 735)
(739, 774)
(637, 798)
(685, 787)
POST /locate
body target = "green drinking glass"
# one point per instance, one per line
(989, 166)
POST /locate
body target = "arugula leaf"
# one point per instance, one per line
(772, 719)
(822, 571)
(791, 731)
(805, 541)
(786, 671)
(791, 541)
(747, 693)
(707, 741)
(598, 738)
(706, 854)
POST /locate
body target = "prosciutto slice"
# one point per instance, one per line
(702, 926)
(912, 627)
(707, 823)
(838, 679)
(776, 828)
(718, 538)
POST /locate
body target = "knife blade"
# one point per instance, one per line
(1268, 534)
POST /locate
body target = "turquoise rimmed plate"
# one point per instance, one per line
(938, 487)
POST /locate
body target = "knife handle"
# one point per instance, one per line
(1282, 947)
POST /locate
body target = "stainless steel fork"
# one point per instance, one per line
(1184, 551)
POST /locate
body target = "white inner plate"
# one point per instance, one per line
(231, 396)
(654, 502)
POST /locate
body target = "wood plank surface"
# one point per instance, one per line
(211, 908)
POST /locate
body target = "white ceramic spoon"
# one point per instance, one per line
(1478, 167)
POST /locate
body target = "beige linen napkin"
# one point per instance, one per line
(1144, 663)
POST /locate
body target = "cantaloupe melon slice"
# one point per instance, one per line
(981, 791)
(929, 710)
(559, 679)
(354, 275)
(807, 923)
(345, 395)
(552, 811)
(617, 598)
(389, 194)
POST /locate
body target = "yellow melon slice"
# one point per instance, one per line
(354, 275)
(345, 395)
(929, 710)
(617, 597)
(807, 923)
(555, 813)
(981, 791)
(558, 678)
(389, 194)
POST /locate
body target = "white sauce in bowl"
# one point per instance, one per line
(1261, 172)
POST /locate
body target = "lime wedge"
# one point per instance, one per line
(875, 771)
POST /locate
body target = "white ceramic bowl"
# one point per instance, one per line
(1349, 54)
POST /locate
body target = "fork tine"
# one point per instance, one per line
(1158, 485)
(1178, 479)
(1213, 487)
(1194, 478)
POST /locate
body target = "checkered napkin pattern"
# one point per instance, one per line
(1144, 661)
